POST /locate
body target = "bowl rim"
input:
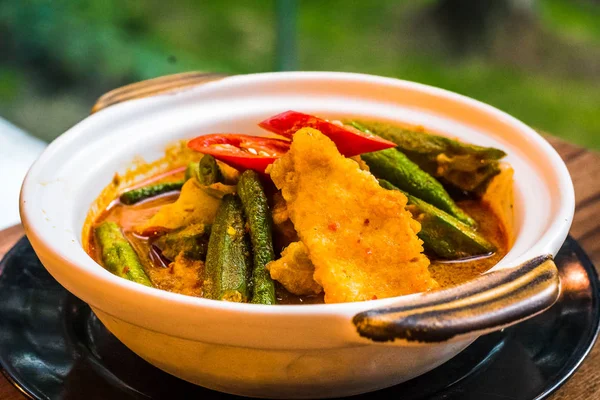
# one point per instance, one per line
(553, 236)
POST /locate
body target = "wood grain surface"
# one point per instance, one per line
(584, 166)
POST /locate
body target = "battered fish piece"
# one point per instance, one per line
(363, 165)
(294, 270)
(282, 225)
(360, 238)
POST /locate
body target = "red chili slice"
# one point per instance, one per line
(349, 140)
(241, 151)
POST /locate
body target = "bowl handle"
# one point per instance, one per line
(488, 303)
(155, 86)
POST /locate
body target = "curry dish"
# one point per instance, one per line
(321, 211)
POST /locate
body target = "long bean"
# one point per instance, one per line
(136, 195)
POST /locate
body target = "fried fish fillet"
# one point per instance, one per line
(360, 238)
(295, 271)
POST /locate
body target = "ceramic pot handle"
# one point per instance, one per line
(152, 87)
(485, 304)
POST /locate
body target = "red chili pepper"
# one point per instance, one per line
(349, 140)
(241, 151)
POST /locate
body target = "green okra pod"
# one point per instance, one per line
(209, 171)
(465, 166)
(395, 167)
(259, 221)
(228, 265)
(443, 234)
(206, 171)
(118, 255)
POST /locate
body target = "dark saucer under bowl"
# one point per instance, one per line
(53, 347)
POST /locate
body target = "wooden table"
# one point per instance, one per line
(584, 166)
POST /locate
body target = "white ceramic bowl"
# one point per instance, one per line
(301, 351)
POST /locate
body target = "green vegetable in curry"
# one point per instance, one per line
(443, 234)
(118, 255)
(228, 264)
(259, 221)
(466, 166)
(136, 195)
(395, 167)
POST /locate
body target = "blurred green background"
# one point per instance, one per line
(538, 60)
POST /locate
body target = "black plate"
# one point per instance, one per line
(53, 347)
